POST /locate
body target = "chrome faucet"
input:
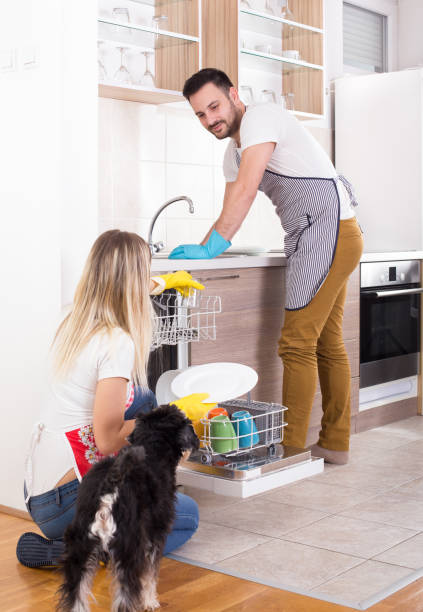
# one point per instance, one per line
(158, 246)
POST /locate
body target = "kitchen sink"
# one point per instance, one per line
(222, 256)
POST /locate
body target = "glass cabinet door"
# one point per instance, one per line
(281, 59)
(148, 45)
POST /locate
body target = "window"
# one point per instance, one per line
(364, 39)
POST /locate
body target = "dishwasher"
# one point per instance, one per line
(243, 471)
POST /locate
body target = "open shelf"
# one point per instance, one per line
(133, 93)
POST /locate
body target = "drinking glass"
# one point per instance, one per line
(286, 11)
(102, 72)
(268, 95)
(160, 22)
(147, 80)
(269, 7)
(122, 74)
(289, 101)
(246, 94)
(122, 15)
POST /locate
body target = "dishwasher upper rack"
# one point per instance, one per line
(181, 319)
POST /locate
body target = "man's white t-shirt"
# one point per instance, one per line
(296, 154)
(69, 405)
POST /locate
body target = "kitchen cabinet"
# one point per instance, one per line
(278, 50)
(147, 48)
(249, 327)
(269, 49)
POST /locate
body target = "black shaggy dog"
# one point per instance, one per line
(124, 512)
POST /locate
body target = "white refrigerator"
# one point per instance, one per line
(379, 148)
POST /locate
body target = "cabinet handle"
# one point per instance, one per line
(212, 278)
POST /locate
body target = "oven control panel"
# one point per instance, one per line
(389, 273)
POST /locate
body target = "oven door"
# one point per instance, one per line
(389, 334)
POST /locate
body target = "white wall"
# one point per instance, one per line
(40, 179)
(149, 154)
(410, 33)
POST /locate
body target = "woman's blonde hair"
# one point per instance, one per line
(112, 292)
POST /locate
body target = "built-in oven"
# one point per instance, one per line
(389, 321)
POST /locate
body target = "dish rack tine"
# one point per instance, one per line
(184, 319)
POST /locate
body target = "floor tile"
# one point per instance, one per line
(362, 451)
(264, 516)
(414, 489)
(208, 501)
(213, 543)
(408, 553)
(288, 563)
(381, 438)
(320, 496)
(363, 581)
(404, 458)
(411, 427)
(416, 447)
(350, 536)
(349, 532)
(391, 508)
(366, 478)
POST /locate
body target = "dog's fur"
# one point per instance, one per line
(125, 510)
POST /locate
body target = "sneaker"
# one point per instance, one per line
(33, 550)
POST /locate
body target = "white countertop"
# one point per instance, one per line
(219, 263)
(392, 256)
(259, 261)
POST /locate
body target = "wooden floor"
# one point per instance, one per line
(182, 587)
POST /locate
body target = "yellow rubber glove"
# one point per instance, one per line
(192, 405)
(182, 281)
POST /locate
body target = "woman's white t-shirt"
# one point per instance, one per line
(63, 438)
(297, 153)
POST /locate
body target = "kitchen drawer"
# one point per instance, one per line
(249, 326)
(245, 288)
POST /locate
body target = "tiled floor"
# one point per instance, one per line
(347, 533)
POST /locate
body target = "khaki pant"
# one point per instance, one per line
(312, 344)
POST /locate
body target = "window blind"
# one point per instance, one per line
(364, 39)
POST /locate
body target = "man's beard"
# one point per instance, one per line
(232, 125)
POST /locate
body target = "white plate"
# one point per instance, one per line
(164, 394)
(223, 381)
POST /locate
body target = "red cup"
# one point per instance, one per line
(216, 411)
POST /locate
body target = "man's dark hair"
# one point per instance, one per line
(204, 76)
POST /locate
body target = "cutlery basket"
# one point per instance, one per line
(179, 319)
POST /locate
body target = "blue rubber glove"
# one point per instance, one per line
(214, 246)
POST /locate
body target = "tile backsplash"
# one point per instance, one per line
(149, 154)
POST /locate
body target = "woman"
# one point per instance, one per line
(98, 364)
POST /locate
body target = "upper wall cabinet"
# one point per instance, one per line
(271, 49)
(277, 55)
(147, 48)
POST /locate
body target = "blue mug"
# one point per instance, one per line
(245, 428)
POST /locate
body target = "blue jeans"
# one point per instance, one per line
(54, 510)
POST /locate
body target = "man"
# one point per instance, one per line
(269, 150)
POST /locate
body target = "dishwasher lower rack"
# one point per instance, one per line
(269, 423)
(181, 319)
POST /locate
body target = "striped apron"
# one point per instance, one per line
(308, 208)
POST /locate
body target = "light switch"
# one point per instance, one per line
(8, 60)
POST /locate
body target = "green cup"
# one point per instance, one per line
(222, 434)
